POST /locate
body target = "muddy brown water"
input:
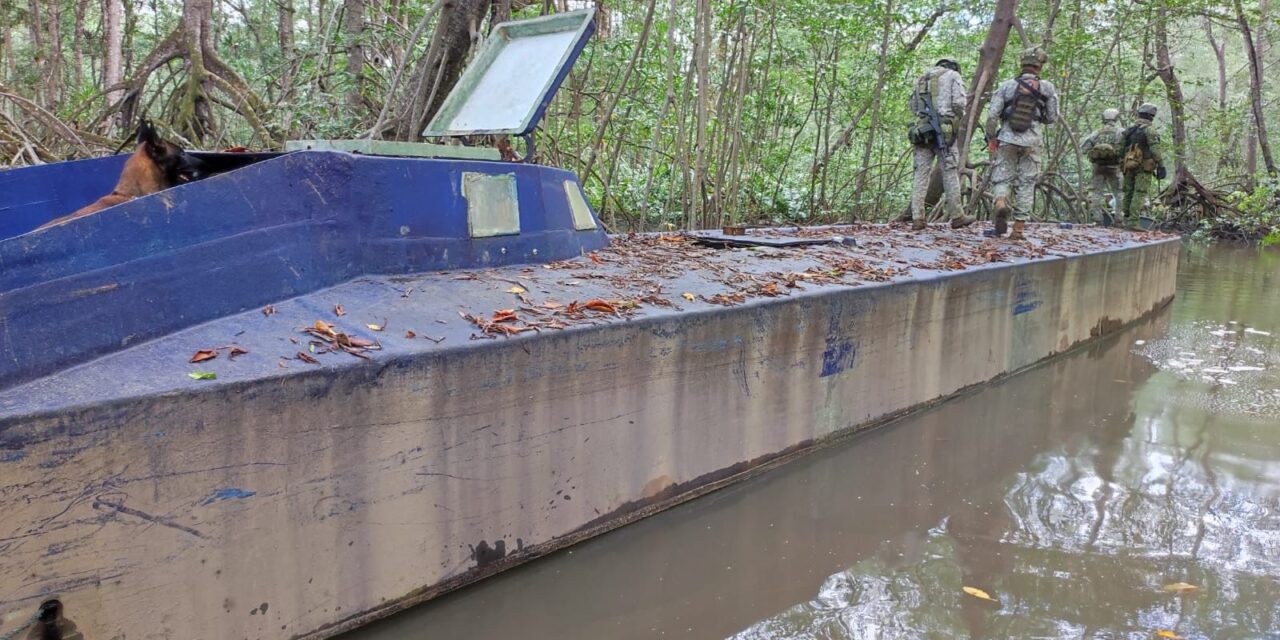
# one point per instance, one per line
(1076, 495)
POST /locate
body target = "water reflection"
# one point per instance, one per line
(1175, 482)
(1072, 494)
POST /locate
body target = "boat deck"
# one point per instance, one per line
(638, 276)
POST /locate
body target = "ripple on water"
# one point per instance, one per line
(1234, 368)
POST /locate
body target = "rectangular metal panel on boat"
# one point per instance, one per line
(582, 218)
(493, 208)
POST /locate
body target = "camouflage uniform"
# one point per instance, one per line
(1137, 183)
(949, 98)
(1106, 177)
(1017, 162)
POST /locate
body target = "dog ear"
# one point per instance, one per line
(146, 132)
(155, 146)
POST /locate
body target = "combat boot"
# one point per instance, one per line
(961, 221)
(919, 225)
(1016, 234)
(1002, 215)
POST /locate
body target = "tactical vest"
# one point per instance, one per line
(1107, 147)
(1027, 106)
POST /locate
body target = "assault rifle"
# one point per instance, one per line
(935, 121)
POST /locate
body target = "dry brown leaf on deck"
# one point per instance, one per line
(339, 311)
(410, 334)
(361, 343)
(597, 304)
(307, 359)
(204, 354)
(979, 593)
(235, 351)
(551, 304)
(1180, 587)
(517, 290)
(595, 258)
(378, 327)
(1165, 633)
(324, 327)
(504, 315)
(268, 310)
(688, 296)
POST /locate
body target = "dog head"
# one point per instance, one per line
(177, 165)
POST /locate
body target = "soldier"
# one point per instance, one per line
(1019, 107)
(938, 101)
(1142, 160)
(1105, 150)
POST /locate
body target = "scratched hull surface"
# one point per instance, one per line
(288, 499)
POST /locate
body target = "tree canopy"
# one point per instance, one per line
(681, 113)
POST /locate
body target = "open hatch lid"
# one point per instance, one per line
(510, 82)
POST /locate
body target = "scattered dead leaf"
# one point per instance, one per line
(203, 355)
(688, 296)
(597, 304)
(517, 290)
(551, 304)
(1181, 587)
(268, 310)
(330, 339)
(979, 593)
(303, 356)
(235, 351)
(1165, 633)
(410, 334)
(339, 311)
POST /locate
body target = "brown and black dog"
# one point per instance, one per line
(156, 165)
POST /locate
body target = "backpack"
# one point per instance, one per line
(1027, 106)
(1136, 150)
(922, 133)
(1106, 148)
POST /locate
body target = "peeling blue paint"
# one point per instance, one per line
(1024, 300)
(230, 493)
(839, 356)
(1025, 307)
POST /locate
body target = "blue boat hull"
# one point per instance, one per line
(266, 232)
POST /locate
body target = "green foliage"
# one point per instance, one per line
(794, 131)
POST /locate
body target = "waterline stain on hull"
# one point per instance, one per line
(336, 494)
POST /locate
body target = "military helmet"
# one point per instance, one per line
(949, 63)
(1147, 110)
(1034, 57)
(1110, 115)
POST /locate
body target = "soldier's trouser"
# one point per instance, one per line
(950, 165)
(1136, 186)
(1106, 182)
(1016, 168)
